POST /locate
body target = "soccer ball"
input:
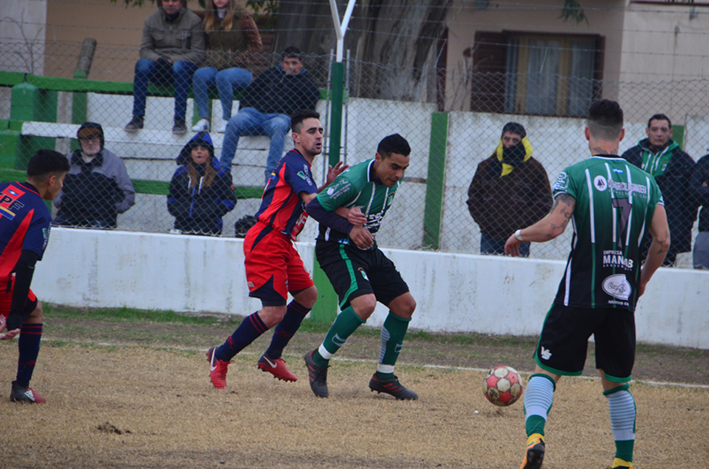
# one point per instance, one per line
(503, 386)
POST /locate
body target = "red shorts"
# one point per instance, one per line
(273, 266)
(6, 298)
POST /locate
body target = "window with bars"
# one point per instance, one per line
(539, 74)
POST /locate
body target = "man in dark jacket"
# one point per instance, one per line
(97, 187)
(699, 186)
(268, 102)
(672, 168)
(510, 189)
(171, 49)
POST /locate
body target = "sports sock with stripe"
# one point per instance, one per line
(538, 399)
(393, 333)
(251, 328)
(623, 414)
(28, 345)
(345, 324)
(286, 329)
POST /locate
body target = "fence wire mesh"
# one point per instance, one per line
(457, 195)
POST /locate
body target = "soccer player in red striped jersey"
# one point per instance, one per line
(24, 232)
(273, 266)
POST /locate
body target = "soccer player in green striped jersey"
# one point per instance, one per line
(611, 204)
(359, 271)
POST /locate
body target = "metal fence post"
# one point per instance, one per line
(435, 181)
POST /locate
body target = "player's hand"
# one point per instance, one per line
(9, 335)
(356, 217)
(512, 246)
(362, 238)
(332, 173)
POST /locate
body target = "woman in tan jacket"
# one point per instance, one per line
(232, 36)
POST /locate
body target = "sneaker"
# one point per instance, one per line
(180, 128)
(393, 387)
(534, 456)
(135, 124)
(218, 369)
(317, 376)
(222, 128)
(202, 125)
(277, 368)
(22, 394)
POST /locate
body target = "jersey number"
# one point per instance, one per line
(625, 209)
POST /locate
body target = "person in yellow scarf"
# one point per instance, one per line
(510, 189)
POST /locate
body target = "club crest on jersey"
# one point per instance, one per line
(617, 286)
(8, 196)
(600, 183)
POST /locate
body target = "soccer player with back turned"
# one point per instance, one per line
(24, 232)
(611, 204)
(359, 271)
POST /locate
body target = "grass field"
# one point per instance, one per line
(129, 388)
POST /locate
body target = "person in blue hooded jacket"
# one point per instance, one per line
(201, 192)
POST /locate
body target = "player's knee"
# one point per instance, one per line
(364, 306)
(307, 297)
(36, 316)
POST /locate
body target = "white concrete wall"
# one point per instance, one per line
(454, 292)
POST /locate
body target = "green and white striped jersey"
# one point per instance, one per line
(356, 188)
(615, 202)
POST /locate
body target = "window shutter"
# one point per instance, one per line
(489, 72)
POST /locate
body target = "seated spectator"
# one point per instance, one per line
(201, 192)
(699, 186)
(510, 190)
(171, 49)
(267, 105)
(232, 36)
(672, 168)
(97, 187)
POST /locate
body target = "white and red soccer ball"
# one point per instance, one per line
(503, 386)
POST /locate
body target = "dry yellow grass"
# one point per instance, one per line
(169, 415)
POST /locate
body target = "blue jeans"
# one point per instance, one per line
(251, 122)
(161, 72)
(490, 245)
(226, 81)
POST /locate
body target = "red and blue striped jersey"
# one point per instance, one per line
(24, 224)
(281, 206)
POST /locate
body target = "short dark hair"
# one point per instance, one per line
(605, 119)
(297, 118)
(514, 128)
(291, 52)
(45, 163)
(393, 144)
(659, 117)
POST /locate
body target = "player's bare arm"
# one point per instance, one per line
(660, 232)
(546, 229)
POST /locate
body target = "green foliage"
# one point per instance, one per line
(572, 10)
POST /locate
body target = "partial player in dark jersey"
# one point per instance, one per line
(24, 232)
(359, 271)
(273, 266)
(612, 204)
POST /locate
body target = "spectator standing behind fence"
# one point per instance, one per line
(97, 187)
(268, 102)
(672, 168)
(509, 189)
(171, 49)
(201, 192)
(699, 186)
(232, 36)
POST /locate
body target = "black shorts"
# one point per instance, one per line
(564, 341)
(353, 272)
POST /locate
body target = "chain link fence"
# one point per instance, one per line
(462, 193)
